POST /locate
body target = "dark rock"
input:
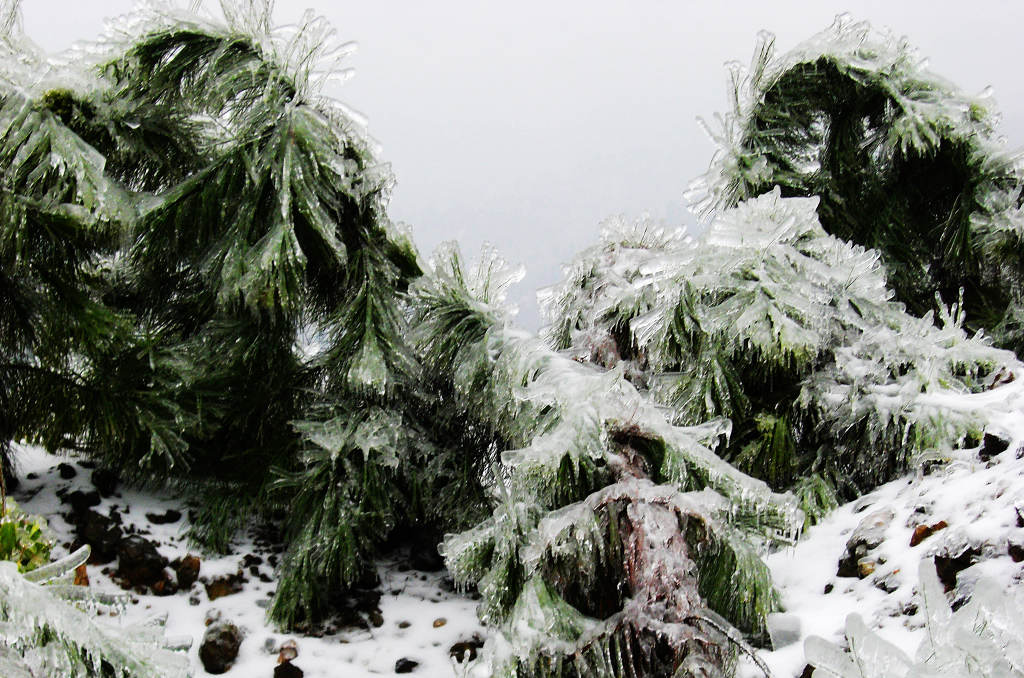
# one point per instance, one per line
(80, 501)
(187, 571)
(105, 481)
(1015, 551)
(829, 587)
(224, 586)
(376, 618)
(194, 601)
(948, 567)
(868, 535)
(168, 516)
(139, 562)
(164, 587)
(1020, 518)
(405, 665)
(991, 446)
(220, 647)
(466, 650)
(100, 533)
(808, 671)
(249, 560)
(287, 670)
(922, 532)
(66, 471)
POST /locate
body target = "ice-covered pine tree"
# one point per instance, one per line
(903, 162)
(194, 255)
(788, 332)
(614, 537)
(46, 634)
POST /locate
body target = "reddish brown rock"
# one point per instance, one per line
(187, 571)
(81, 576)
(922, 532)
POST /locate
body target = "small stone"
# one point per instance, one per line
(223, 586)
(869, 534)
(249, 560)
(194, 601)
(922, 532)
(1015, 551)
(164, 587)
(865, 567)
(439, 622)
(168, 516)
(376, 618)
(991, 446)
(289, 651)
(66, 471)
(81, 576)
(101, 533)
(404, 624)
(219, 648)
(828, 587)
(889, 582)
(287, 670)
(139, 562)
(405, 665)
(465, 650)
(270, 645)
(187, 571)
(948, 567)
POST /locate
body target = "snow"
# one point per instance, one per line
(411, 605)
(976, 499)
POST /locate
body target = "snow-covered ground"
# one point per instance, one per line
(422, 617)
(980, 502)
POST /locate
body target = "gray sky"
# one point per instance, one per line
(526, 123)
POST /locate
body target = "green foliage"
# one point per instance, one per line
(585, 562)
(901, 160)
(25, 539)
(786, 331)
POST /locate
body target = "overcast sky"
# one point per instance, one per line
(525, 123)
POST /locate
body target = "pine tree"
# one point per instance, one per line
(615, 539)
(790, 334)
(902, 160)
